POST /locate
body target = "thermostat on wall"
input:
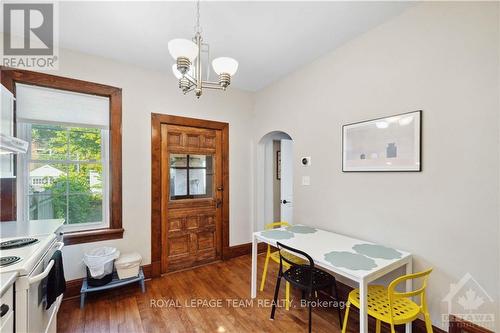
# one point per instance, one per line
(306, 161)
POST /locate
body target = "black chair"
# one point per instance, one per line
(307, 278)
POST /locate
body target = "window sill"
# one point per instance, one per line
(89, 236)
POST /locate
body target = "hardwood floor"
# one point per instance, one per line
(227, 284)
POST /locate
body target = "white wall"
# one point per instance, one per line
(438, 57)
(145, 92)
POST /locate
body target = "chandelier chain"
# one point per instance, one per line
(198, 27)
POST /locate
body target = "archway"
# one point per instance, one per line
(270, 187)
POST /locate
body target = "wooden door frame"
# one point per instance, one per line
(157, 210)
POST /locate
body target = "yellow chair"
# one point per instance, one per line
(275, 256)
(393, 307)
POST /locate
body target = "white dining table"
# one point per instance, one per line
(355, 259)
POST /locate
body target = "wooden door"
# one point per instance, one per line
(191, 168)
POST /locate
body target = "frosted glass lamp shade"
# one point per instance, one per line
(182, 48)
(225, 65)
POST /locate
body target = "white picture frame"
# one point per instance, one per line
(384, 144)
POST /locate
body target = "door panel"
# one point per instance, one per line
(191, 182)
(286, 184)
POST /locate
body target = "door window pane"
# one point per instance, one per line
(191, 176)
(197, 182)
(198, 160)
(178, 160)
(178, 182)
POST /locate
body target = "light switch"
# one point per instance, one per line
(306, 180)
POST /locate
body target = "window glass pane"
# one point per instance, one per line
(84, 208)
(49, 142)
(178, 160)
(69, 183)
(84, 144)
(85, 178)
(198, 160)
(178, 182)
(200, 182)
(42, 206)
(47, 178)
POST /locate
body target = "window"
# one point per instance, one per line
(73, 167)
(191, 176)
(67, 171)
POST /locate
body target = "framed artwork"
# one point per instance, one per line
(278, 165)
(384, 144)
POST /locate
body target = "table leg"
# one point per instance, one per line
(409, 287)
(363, 308)
(253, 291)
(82, 300)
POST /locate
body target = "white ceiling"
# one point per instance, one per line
(269, 39)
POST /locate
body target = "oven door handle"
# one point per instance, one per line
(47, 269)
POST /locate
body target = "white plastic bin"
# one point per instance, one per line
(100, 261)
(127, 265)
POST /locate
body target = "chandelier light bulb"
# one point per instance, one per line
(182, 48)
(178, 74)
(225, 65)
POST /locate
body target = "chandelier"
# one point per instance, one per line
(188, 67)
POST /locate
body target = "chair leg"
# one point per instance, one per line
(287, 296)
(276, 292)
(346, 317)
(378, 327)
(310, 310)
(428, 322)
(264, 274)
(337, 298)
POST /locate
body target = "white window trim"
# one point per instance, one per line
(24, 131)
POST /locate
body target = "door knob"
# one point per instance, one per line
(285, 202)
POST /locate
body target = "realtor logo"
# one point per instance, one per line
(30, 37)
(468, 300)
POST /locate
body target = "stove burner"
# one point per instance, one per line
(18, 242)
(6, 261)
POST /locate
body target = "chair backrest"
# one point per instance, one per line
(293, 251)
(394, 295)
(276, 224)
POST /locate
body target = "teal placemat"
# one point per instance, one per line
(377, 251)
(301, 229)
(277, 234)
(353, 261)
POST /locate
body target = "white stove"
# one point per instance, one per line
(33, 243)
(29, 254)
